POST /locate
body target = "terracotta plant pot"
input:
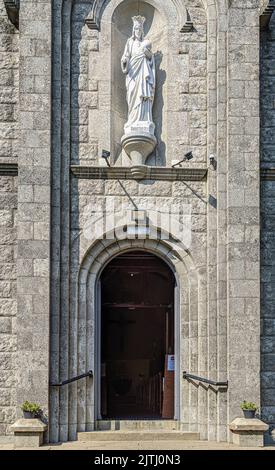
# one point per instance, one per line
(249, 414)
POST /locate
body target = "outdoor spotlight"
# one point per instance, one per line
(106, 155)
(187, 156)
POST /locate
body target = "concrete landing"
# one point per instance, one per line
(137, 436)
(138, 425)
(137, 445)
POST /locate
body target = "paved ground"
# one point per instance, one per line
(139, 445)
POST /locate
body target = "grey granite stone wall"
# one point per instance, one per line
(242, 200)
(8, 204)
(34, 202)
(220, 335)
(8, 305)
(226, 215)
(268, 228)
(9, 57)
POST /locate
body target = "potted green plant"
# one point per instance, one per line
(30, 410)
(249, 409)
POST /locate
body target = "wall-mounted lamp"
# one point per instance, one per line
(106, 155)
(188, 156)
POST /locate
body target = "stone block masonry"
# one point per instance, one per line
(60, 105)
(9, 56)
(34, 203)
(213, 106)
(243, 206)
(268, 230)
(8, 303)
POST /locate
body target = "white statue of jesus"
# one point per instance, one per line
(138, 64)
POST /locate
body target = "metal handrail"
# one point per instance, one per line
(74, 379)
(207, 381)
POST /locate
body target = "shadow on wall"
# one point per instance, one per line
(267, 230)
(159, 154)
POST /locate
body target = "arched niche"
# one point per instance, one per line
(163, 27)
(157, 31)
(98, 98)
(88, 312)
(179, 6)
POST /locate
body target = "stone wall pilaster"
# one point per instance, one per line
(243, 254)
(34, 200)
(8, 205)
(268, 229)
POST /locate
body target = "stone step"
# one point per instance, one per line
(137, 436)
(138, 425)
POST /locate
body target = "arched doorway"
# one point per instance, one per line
(137, 338)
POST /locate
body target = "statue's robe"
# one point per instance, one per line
(140, 85)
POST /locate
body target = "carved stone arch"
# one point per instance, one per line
(188, 288)
(185, 22)
(183, 250)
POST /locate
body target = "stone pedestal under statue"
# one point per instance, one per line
(138, 146)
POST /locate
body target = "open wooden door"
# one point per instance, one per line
(137, 338)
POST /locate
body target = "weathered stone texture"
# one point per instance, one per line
(188, 120)
(34, 202)
(9, 57)
(85, 89)
(210, 105)
(243, 225)
(268, 96)
(8, 302)
(98, 104)
(207, 102)
(268, 229)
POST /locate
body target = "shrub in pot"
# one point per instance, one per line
(249, 409)
(30, 410)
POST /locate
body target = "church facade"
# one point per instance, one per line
(137, 218)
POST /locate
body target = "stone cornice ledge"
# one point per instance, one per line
(8, 169)
(152, 173)
(12, 7)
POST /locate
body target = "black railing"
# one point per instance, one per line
(207, 381)
(74, 379)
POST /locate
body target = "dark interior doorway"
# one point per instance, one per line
(137, 338)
